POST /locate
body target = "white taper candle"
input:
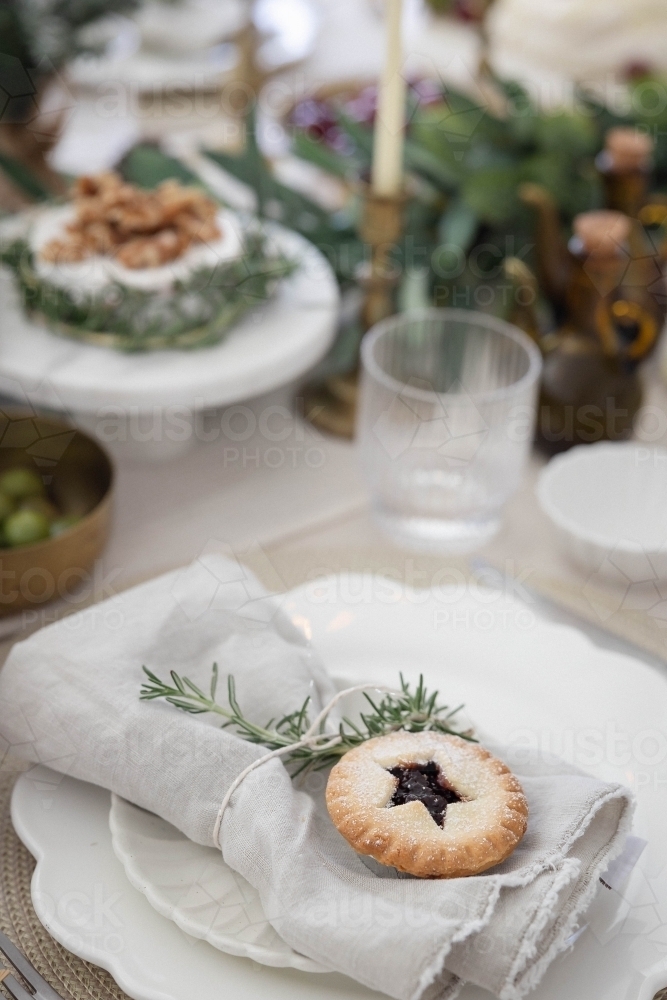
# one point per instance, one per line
(387, 174)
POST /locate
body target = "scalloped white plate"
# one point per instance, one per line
(530, 683)
(191, 885)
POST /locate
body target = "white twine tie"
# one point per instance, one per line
(311, 738)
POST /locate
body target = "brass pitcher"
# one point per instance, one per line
(608, 255)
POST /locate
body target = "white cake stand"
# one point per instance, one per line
(271, 346)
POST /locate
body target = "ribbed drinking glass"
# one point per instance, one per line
(446, 418)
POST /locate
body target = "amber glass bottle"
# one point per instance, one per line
(590, 386)
(625, 165)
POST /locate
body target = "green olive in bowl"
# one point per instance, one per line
(26, 527)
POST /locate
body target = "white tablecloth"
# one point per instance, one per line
(286, 488)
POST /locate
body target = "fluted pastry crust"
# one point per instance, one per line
(478, 832)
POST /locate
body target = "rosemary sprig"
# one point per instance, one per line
(197, 312)
(416, 711)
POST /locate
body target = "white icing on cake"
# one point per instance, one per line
(90, 276)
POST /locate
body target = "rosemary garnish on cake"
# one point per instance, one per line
(415, 711)
(196, 312)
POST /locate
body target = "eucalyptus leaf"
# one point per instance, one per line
(323, 156)
(361, 135)
(459, 225)
(492, 194)
(331, 232)
(567, 134)
(23, 178)
(424, 161)
(147, 166)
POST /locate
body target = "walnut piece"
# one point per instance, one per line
(140, 228)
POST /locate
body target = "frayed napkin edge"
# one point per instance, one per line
(437, 966)
(522, 982)
(569, 868)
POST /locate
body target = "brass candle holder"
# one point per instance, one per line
(331, 405)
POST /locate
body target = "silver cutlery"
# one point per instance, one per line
(42, 990)
(13, 986)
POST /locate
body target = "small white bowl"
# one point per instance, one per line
(608, 503)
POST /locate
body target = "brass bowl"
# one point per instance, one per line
(78, 477)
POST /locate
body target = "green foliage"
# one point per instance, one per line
(426, 162)
(23, 178)
(34, 31)
(14, 44)
(334, 233)
(567, 133)
(647, 108)
(415, 711)
(458, 225)
(465, 165)
(490, 194)
(196, 313)
(147, 166)
(490, 156)
(318, 153)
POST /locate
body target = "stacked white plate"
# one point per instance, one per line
(170, 921)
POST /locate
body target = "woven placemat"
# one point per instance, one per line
(70, 976)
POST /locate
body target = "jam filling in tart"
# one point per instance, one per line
(424, 783)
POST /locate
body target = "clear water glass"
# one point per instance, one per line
(446, 419)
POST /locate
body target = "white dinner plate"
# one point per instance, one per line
(272, 345)
(538, 687)
(192, 885)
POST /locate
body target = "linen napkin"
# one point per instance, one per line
(69, 699)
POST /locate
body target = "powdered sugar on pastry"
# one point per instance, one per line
(484, 818)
